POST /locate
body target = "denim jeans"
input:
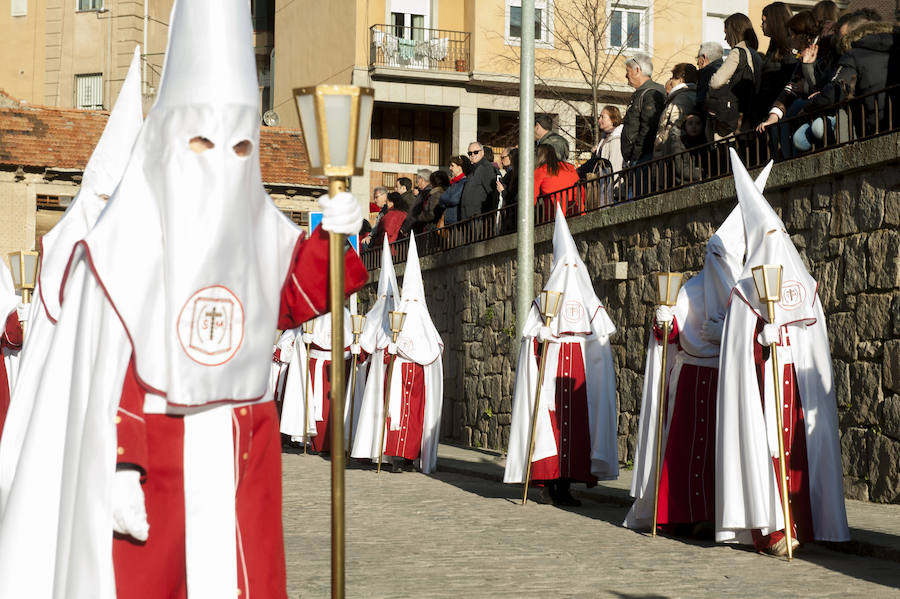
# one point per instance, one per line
(810, 133)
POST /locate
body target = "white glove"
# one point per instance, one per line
(392, 348)
(545, 334)
(355, 349)
(22, 312)
(712, 329)
(287, 352)
(341, 214)
(769, 335)
(129, 513)
(307, 338)
(665, 314)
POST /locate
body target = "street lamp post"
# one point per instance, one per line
(336, 121)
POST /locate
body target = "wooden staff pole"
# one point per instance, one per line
(336, 243)
(387, 397)
(782, 466)
(660, 409)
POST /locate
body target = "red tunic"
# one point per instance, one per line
(570, 423)
(322, 440)
(407, 441)
(794, 437)
(11, 340)
(153, 443)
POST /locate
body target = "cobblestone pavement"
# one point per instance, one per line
(451, 535)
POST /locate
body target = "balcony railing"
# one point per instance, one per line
(419, 48)
(863, 117)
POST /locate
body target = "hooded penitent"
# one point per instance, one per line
(582, 321)
(375, 338)
(747, 495)
(307, 399)
(418, 356)
(101, 176)
(703, 299)
(182, 274)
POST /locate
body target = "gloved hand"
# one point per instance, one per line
(355, 349)
(22, 312)
(392, 348)
(665, 314)
(307, 338)
(712, 329)
(129, 513)
(545, 334)
(341, 214)
(769, 335)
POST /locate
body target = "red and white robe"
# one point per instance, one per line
(10, 344)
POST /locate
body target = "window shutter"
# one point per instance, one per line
(18, 8)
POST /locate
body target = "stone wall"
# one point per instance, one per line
(842, 208)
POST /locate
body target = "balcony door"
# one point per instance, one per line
(409, 20)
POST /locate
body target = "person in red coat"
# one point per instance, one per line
(390, 224)
(551, 175)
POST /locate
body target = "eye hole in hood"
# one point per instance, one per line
(200, 144)
(243, 148)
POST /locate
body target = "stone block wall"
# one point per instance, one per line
(842, 208)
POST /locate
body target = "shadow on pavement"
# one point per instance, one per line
(828, 555)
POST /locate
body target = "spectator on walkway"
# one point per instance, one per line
(606, 157)
(452, 197)
(709, 59)
(642, 116)
(737, 81)
(490, 203)
(415, 221)
(404, 187)
(377, 209)
(826, 13)
(778, 62)
(508, 185)
(480, 183)
(868, 62)
(551, 175)
(398, 205)
(681, 97)
(439, 182)
(544, 134)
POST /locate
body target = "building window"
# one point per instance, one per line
(18, 8)
(629, 25)
(543, 22)
(90, 4)
(89, 91)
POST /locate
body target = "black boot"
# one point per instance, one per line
(563, 497)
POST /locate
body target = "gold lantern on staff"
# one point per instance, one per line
(336, 121)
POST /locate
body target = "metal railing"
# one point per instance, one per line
(863, 117)
(419, 48)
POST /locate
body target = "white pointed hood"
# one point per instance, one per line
(768, 242)
(191, 251)
(419, 340)
(570, 277)
(321, 330)
(101, 176)
(377, 331)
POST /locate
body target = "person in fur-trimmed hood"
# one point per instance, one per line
(870, 61)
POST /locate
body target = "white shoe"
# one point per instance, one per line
(779, 549)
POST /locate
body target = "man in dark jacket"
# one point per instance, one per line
(642, 116)
(544, 134)
(415, 220)
(709, 59)
(480, 183)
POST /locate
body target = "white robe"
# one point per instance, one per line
(747, 495)
(600, 380)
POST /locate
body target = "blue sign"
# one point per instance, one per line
(315, 219)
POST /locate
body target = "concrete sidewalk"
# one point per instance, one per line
(874, 527)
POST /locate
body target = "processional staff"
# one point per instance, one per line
(308, 328)
(397, 321)
(550, 301)
(668, 284)
(767, 278)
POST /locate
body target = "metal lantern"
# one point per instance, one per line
(24, 268)
(668, 284)
(767, 278)
(358, 321)
(397, 321)
(550, 303)
(336, 121)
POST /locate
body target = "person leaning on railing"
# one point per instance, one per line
(448, 204)
(867, 64)
(552, 175)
